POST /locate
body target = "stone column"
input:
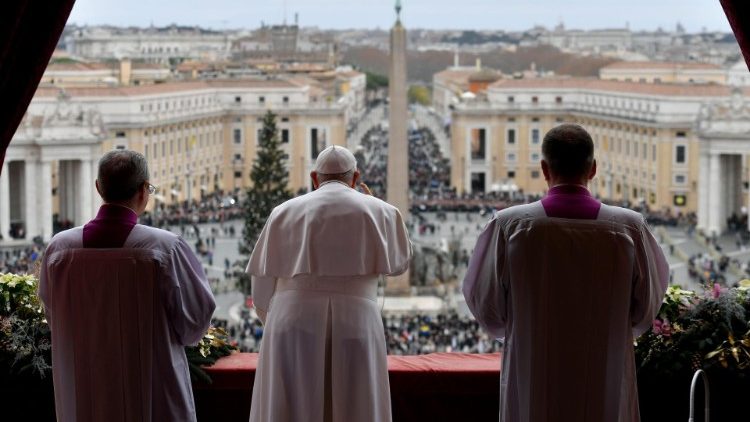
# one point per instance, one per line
(609, 183)
(704, 171)
(45, 199)
(714, 195)
(5, 201)
(84, 192)
(31, 200)
(96, 200)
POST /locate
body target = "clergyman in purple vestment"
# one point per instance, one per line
(568, 282)
(123, 300)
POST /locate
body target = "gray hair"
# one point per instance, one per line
(121, 174)
(346, 177)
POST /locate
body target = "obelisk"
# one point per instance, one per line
(398, 152)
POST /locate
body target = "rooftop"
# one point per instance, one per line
(671, 89)
(638, 65)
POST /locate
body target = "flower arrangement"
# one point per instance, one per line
(24, 333)
(708, 330)
(25, 340)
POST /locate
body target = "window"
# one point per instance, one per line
(237, 174)
(679, 179)
(119, 134)
(653, 152)
(237, 136)
(238, 99)
(511, 99)
(284, 136)
(511, 174)
(535, 100)
(679, 134)
(535, 174)
(285, 100)
(238, 157)
(535, 157)
(318, 141)
(534, 136)
(477, 182)
(644, 149)
(284, 119)
(261, 99)
(478, 144)
(558, 100)
(510, 157)
(679, 154)
(510, 137)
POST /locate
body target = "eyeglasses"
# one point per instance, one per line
(151, 188)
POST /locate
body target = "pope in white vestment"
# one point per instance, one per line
(568, 283)
(315, 271)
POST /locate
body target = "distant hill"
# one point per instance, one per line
(422, 65)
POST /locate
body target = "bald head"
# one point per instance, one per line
(568, 151)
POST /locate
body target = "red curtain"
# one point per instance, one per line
(29, 30)
(738, 13)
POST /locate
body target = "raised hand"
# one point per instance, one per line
(365, 189)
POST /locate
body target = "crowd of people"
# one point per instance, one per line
(419, 334)
(212, 208)
(429, 170)
(21, 260)
(407, 334)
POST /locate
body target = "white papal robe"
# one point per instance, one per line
(568, 296)
(315, 269)
(120, 319)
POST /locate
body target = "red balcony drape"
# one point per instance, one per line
(29, 30)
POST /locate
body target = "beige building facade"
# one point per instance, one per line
(647, 143)
(199, 137)
(664, 72)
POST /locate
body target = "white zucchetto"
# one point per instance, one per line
(335, 160)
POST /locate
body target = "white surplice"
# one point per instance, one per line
(120, 319)
(314, 270)
(568, 296)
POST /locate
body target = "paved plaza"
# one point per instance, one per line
(437, 232)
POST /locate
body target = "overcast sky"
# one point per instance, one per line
(438, 14)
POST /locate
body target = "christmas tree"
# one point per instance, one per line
(269, 187)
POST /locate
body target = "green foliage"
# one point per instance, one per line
(709, 332)
(63, 60)
(269, 187)
(24, 334)
(375, 81)
(419, 94)
(214, 345)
